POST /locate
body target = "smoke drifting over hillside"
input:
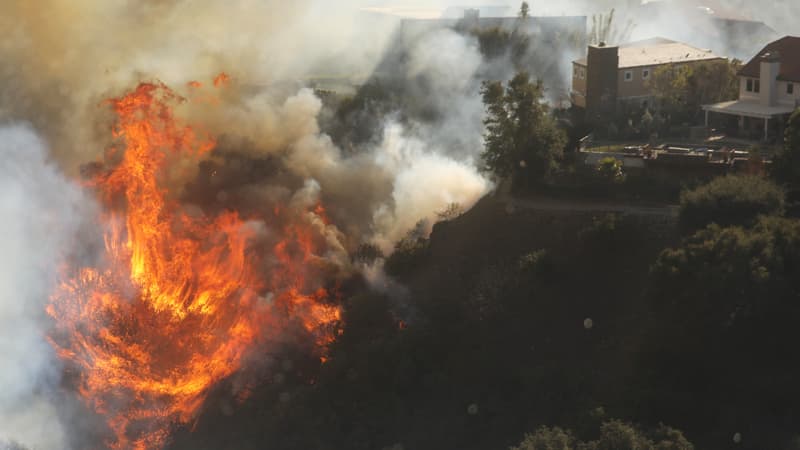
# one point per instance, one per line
(62, 62)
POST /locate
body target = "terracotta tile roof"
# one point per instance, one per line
(788, 51)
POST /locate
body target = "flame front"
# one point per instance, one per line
(174, 303)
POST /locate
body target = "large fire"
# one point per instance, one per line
(177, 300)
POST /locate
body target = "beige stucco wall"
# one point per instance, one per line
(786, 98)
(783, 97)
(743, 94)
(636, 87)
(579, 84)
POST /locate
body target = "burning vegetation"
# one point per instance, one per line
(178, 297)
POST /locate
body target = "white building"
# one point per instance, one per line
(769, 91)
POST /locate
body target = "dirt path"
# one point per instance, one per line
(541, 203)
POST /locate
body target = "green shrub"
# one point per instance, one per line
(730, 200)
(610, 171)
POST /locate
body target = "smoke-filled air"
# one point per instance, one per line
(176, 204)
(215, 214)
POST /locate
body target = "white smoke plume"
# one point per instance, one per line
(425, 182)
(41, 213)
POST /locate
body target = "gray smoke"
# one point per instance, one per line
(41, 213)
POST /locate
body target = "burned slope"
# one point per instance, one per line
(510, 319)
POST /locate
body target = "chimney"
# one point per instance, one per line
(602, 67)
(770, 68)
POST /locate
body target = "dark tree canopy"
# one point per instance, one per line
(785, 167)
(734, 270)
(725, 308)
(730, 200)
(522, 139)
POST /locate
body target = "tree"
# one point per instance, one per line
(610, 171)
(524, 10)
(493, 42)
(546, 438)
(721, 275)
(497, 42)
(681, 90)
(785, 167)
(724, 305)
(409, 251)
(522, 139)
(730, 200)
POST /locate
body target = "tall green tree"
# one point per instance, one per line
(522, 139)
(785, 167)
(524, 10)
(681, 90)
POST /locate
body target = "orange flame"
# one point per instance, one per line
(175, 303)
(221, 79)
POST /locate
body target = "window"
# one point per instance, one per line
(628, 75)
(645, 74)
(756, 86)
(790, 88)
(583, 73)
(749, 85)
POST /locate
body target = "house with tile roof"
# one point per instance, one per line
(769, 91)
(609, 75)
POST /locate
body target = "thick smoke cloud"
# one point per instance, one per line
(62, 61)
(41, 213)
(89, 51)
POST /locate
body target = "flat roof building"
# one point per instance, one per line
(609, 75)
